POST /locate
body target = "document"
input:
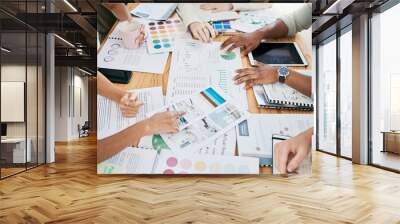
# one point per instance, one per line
(148, 161)
(250, 21)
(154, 11)
(208, 115)
(170, 162)
(196, 65)
(114, 56)
(222, 145)
(109, 117)
(129, 161)
(254, 135)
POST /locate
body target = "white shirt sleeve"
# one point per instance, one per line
(298, 20)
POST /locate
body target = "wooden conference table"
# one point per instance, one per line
(144, 80)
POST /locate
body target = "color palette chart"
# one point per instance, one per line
(222, 26)
(183, 163)
(161, 35)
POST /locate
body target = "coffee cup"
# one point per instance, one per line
(131, 34)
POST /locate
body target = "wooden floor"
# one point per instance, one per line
(69, 191)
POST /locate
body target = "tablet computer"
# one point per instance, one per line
(278, 54)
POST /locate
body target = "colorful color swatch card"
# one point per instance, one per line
(223, 26)
(161, 35)
(183, 163)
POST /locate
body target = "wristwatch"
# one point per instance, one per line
(283, 72)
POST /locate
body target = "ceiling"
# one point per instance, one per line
(72, 20)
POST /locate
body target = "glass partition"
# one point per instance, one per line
(385, 89)
(22, 77)
(327, 96)
(346, 93)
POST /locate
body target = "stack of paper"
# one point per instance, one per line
(110, 119)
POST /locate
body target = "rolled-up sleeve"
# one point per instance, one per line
(189, 13)
(298, 20)
(250, 6)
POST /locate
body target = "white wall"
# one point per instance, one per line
(69, 82)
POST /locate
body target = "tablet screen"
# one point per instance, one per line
(277, 53)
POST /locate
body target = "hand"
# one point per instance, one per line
(292, 152)
(129, 105)
(248, 41)
(202, 31)
(259, 74)
(163, 122)
(140, 39)
(217, 7)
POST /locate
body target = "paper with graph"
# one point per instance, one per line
(196, 65)
(208, 114)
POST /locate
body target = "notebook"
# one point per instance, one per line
(279, 95)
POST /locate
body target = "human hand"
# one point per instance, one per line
(140, 39)
(129, 105)
(291, 153)
(163, 122)
(247, 41)
(202, 31)
(217, 7)
(259, 74)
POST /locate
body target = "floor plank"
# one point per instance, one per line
(70, 191)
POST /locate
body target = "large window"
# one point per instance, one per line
(385, 89)
(327, 96)
(346, 92)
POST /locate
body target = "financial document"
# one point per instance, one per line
(113, 55)
(208, 115)
(196, 65)
(250, 21)
(109, 117)
(129, 161)
(254, 135)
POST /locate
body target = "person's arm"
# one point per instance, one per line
(163, 122)
(249, 6)
(200, 30)
(300, 82)
(292, 152)
(108, 89)
(127, 101)
(120, 10)
(299, 20)
(131, 136)
(284, 26)
(266, 74)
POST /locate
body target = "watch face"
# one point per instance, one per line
(283, 71)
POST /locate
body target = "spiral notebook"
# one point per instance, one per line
(279, 95)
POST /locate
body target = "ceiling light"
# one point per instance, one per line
(5, 50)
(70, 5)
(65, 41)
(84, 71)
(337, 7)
